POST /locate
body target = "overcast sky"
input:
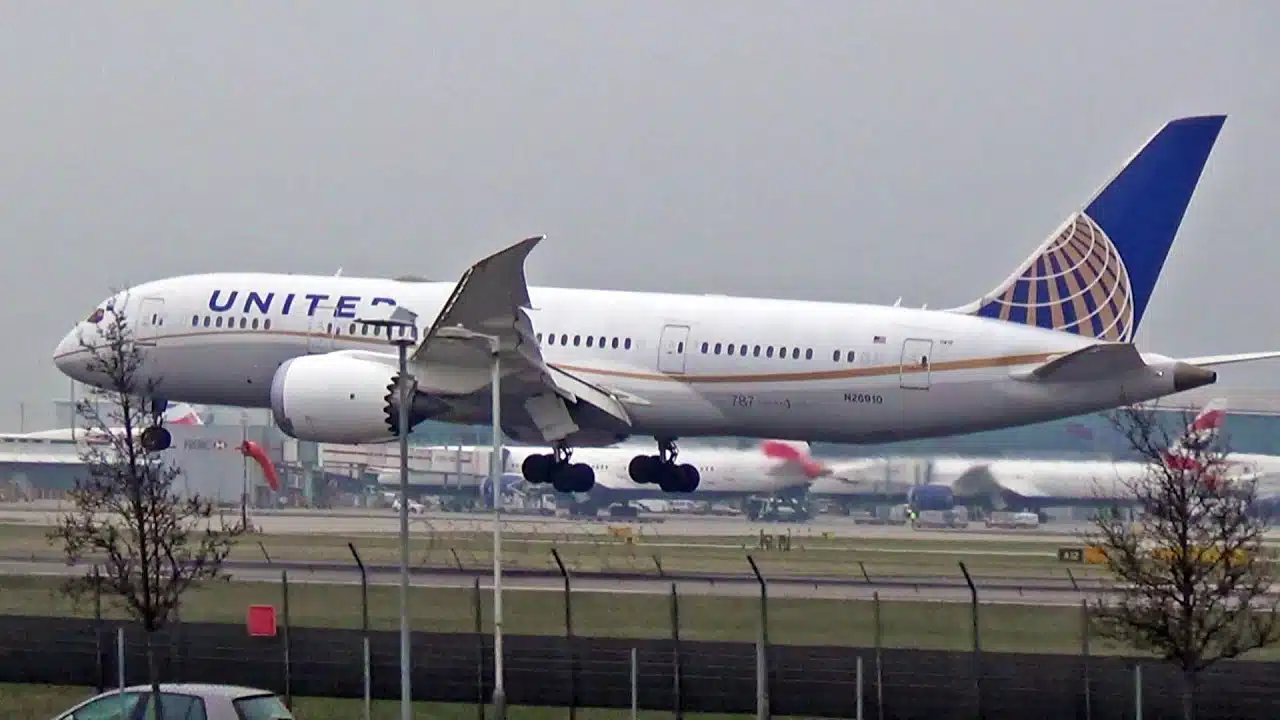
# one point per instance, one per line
(832, 150)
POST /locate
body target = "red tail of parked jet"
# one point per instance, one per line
(1184, 454)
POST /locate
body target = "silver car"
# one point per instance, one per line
(182, 701)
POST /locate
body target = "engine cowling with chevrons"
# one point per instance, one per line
(340, 399)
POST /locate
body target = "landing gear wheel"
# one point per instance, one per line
(538, 469)
(682, 478)
(644, 469)
(574, 478)
(156, 439)
(691, 478)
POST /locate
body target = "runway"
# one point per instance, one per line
(377, 522)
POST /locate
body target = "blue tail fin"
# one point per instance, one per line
(1095, 274)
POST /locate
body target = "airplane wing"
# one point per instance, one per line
(1211, 360)
(492, 300)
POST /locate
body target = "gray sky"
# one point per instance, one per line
(833, 150)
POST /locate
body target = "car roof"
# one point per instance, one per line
(206, 689)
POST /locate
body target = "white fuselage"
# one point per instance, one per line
(684, 365)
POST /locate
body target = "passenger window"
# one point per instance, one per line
(808, 354)
(551, 339)
(590, 340)
(266, 324)
(218, 322)
(680, 347)
(364, 329)
(849, 356)
(195, 320)
(255, 323)
(717, 350)
(602, 339)
(244, 322)
(577, 340)
(835, 356)
(705, 348)
(729, 349)
(795, 353)
(782, 353)
(627, 344)
(206, 321)
(539, 336)
(351, 330)
(564, 339)
(768, 352)
(615, 343)
(756, 351)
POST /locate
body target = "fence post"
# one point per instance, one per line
(120, 655)
(762, 647)
(677, 691)
(635, 684)
(977, 644)
(1084, 653)
(120, 665)
(1137, 691)
(568, 636)
(875, 605)
(97, 630)
(364, 632)
(859, 664)
(288, 665)
(479, 625)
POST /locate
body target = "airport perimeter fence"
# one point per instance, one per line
(668, 675)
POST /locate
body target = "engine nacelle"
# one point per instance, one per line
(336, 399)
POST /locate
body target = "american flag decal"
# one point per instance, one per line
(878, 340)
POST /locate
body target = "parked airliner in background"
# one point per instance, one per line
(594, 367)
(175, 414)
(1037, 484)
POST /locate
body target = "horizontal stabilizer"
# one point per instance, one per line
(1088, 363)
(1211, 360)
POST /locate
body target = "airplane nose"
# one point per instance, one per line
(69, 355)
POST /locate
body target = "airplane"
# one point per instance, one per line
(1038, 484)
(774, 467)
(588, 368)
(175, 414)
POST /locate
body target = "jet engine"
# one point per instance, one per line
(340, 399)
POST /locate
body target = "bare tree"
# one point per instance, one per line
(152, 541)
(1193, 580)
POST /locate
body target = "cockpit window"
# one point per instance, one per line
(95, 316)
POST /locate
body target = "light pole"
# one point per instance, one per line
(495, 482)
(402, 331)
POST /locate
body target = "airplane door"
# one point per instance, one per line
(320, 331)
(150, 320)
(672, 346)
(917, 364)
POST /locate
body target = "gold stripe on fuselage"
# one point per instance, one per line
(840, 374)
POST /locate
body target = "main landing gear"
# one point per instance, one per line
(556, 468)
(156, 438)
(662, 470)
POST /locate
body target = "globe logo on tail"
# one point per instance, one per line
(1077, 283)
